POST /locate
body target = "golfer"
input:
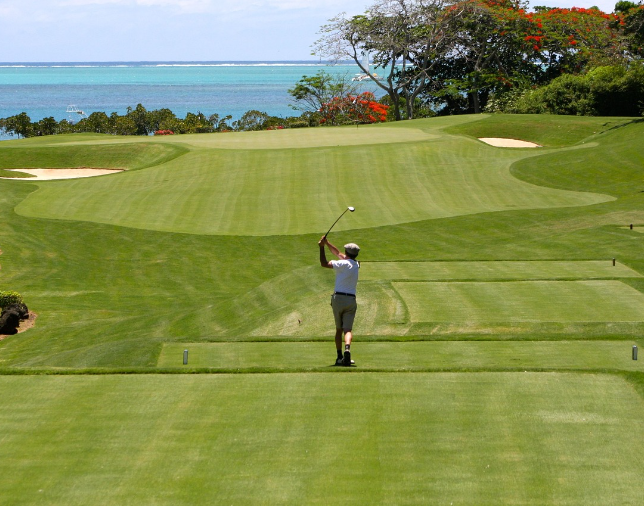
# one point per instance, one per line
(343, 300)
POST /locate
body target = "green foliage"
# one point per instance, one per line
(421, 109)
(252, 121)
(617, 91)
(136, 121)
(8, 298)
(603, 91)
(311, 92)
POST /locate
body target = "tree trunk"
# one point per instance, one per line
(475, 101)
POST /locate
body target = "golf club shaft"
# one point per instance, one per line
(336, 222)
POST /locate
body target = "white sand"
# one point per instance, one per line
(49, 174)
(500, 142)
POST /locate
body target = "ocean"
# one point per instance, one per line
(56, 89)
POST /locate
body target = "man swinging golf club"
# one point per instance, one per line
(343, 300)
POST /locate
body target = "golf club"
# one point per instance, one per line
(347, 209)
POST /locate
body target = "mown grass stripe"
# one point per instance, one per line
(495, 270)
(522, 301)
(532, 438)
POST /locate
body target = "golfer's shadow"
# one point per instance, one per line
(342, 366)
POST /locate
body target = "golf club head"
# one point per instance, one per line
(351, 208)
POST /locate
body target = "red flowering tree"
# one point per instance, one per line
(633, 18)
(503, 46)
(569, 40)
(360, 109)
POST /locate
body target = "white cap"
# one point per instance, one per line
(352, 249)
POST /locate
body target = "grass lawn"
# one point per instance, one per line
(519, 301)
(517, 270)
(263, 192)
(405, 356)
(478, 438)
(492, 343)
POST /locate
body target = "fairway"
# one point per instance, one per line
(436, 271)
(523, 301)
(406, 356)
(263, 192)
(317, 439)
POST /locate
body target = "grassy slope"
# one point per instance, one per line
(110, 296)
(134, 289)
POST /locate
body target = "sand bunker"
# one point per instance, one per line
(49, 174)
(500, 142)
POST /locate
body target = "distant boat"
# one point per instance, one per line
(365, 64)
(72, 109)
(364, 77)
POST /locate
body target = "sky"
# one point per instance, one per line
(176, 30)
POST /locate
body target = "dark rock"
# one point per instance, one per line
(10, 318)
(22, 309)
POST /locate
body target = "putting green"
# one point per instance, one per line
(277, 139)
(306, 138)
(430, 271)
(468, 439)
(523, 301)
(406, 356)
(259, 192)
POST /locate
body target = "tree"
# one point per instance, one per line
(123, 125)
(251, 120)
(311, 92)
(487, 56)
(633, 23)
(46, 126)
(406, 38)
(162, 119)
(502, 47)
(19, 125)
(97, 122)
(220, 124)
(195, 124)
(139, 116)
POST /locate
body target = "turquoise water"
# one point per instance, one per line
(48, 89)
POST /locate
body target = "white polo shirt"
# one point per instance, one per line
(346, 275)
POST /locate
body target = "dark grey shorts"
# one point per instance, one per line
(344, 311)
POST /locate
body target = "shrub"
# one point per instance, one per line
(298, 124)
(604, 91)
(8, 298)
